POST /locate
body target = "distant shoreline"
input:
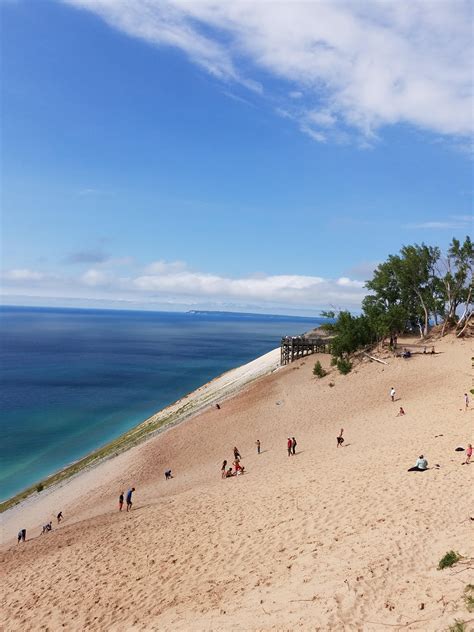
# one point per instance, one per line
(218, 389)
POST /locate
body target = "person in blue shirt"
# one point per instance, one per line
(129, 498)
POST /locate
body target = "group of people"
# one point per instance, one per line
(46, 528)
(421, 464)
(128, 499)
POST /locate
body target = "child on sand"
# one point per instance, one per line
(468, 454)
(257, 443)
(340, 438)
(121, 501)
(401, 412)
(229, 473)
(129, 498)
(392, 394)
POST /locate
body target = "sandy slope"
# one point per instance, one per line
(331, 539)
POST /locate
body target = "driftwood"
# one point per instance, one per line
(374, 358)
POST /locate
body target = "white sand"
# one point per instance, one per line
(331, 539)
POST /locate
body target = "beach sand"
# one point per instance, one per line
(330, 539)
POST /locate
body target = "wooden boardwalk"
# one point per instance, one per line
(295, 347)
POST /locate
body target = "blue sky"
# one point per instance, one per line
(169, 155)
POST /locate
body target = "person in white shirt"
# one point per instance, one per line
(392, 394)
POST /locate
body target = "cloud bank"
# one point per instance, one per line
(339, 69)
(174, 283)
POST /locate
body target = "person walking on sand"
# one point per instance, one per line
(236, 453)
(224, 468)
(340, 438)
(289, 445)
(129, 498)
(468, 454)
(257, 443)
(466, 401)
(121, 501)
(401, 412)
(293, 446)
(59, 517)
(392, 394)
(21, 535)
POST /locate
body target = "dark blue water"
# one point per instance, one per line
(72, 379)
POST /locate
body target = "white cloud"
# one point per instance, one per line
(23, 275)
(175, 283)
(452, 223)
(349, 65)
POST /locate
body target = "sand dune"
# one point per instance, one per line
(330, 539)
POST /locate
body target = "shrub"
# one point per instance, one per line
(469, 598)
(333, 361)
(331, 384)
(472, 391)
(448, 560)
(458, 626)
(318, 370)
(39, 487)
(344, 366)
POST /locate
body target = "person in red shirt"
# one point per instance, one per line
(289, 446)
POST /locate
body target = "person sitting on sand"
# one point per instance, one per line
(59, 517)
(237, 466)
(224, 468)
(468, 454)
(421, 465)
(168, 475)
(229, 473)
(340, 438)
(401, 412)
(236, 453)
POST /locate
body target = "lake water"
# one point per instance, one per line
(71, 379)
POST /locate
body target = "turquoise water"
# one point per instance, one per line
(72, 380)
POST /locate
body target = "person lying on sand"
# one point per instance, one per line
(401, 412)
(340, 438)
(420, 466)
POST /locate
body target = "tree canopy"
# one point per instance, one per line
(410, 291)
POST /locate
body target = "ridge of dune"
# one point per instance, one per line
(331, 539)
